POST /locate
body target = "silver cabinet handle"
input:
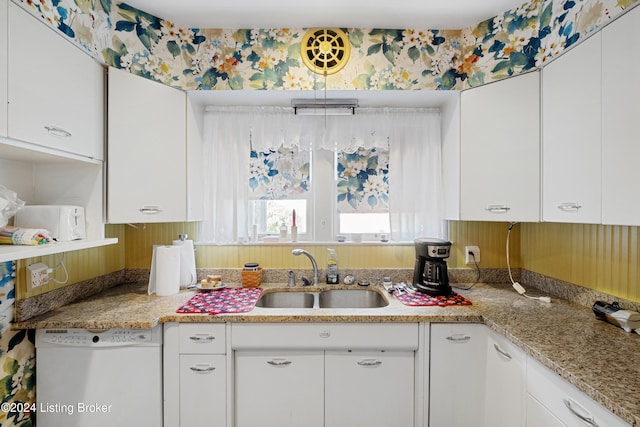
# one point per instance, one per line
(370, 362)
(579, 411)
(502, 352)
(58, 131)
(203, 368)
(459, 338)
(497, 208)
(279, 362)
(569, 206)
(150, 210)
(202, 338)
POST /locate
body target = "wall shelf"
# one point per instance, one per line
(17, 252)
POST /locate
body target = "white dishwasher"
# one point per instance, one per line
(100, 378)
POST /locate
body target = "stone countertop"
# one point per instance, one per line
(600, 359)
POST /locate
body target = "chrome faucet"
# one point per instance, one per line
(297, 252)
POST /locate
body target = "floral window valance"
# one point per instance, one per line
(279, 174)
(363, 180)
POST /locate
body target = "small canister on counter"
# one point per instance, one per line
(251, 275)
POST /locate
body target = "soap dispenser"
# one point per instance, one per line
(333, 276)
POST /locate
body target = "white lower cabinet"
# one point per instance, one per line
(202, 389)
(476, 379)
(552, 401)
(195, 375)
(457, 374)
(325, 374)
(279, 388)
(539, 416)
(505, 383)
(369, 388)
(362, 374)
(316, 388)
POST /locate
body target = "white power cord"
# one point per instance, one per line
(517, 286)
(64, 268)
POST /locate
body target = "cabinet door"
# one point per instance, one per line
(571, 149)
(620, 125)
(56, 91)
(279, 389)
(564, 401)
(500, 150)
(369, 388)
(4, 29)
(539, 416)
(147, 176)
(505, 383)
(203, 400)
(457, 374)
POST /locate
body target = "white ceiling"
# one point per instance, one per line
(422, 14)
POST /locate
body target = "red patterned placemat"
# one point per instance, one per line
(419, 298)
(230, 300)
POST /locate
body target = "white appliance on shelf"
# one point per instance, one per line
(100, 378)
(64, 222)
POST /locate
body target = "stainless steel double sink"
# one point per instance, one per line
(333, 298)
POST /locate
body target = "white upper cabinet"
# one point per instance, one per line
(55, 92)
(4, 30)
(620, 124)
(147, 152)
(500, 151)
(571, 137)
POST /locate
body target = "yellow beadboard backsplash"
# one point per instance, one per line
(280, 256)
(139, 240)
(603, 258)
(82, 265)
(490, 237)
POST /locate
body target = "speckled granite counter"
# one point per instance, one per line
(600, 359)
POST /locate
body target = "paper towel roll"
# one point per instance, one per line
(188, 274)
(165, 277)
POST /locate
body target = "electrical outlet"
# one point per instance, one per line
(37, 275)
(476, 254)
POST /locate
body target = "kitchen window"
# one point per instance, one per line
(279, 188)
(371, 176)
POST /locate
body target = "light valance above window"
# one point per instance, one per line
(269, 128)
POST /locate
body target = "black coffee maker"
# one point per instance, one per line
(430, 272)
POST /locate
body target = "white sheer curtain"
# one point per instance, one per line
(226, 150)
(416, 207)
(416, 203)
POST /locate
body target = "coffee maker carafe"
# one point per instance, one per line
(430, 271)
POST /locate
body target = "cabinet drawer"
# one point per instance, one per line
(566, 402)
(203, 393)
(202, 338)
(327, 336)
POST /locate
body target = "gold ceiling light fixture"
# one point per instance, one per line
(325, 50)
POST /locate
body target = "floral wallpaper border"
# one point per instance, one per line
(381, 59)
(17, 359)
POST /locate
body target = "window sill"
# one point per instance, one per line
(306, 243)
